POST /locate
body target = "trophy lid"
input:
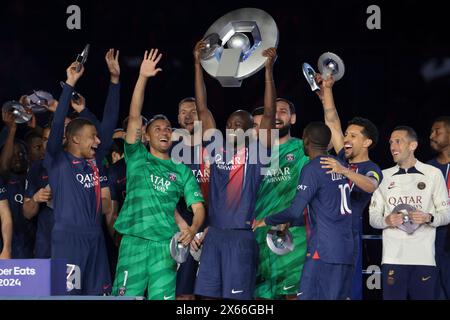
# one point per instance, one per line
(39, 101)
(254, 25)
(18, 111)
(278, 243)
(330, 64)
(408, 226)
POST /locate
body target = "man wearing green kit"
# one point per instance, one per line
(154, 186)
(278, 276)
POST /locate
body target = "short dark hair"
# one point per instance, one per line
(157, 117)
(187, 99)
(30, 135)
(125, 122)
(259, 111)
(444, 119)
(289, 103)
(116, 146)
(412, 134)
(319, 134)
(370, 131)
(76, 125)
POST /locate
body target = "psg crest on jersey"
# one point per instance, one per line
(172, 177)
(290, 157)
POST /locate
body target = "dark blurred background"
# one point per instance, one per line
(384, 80)
(397, 75)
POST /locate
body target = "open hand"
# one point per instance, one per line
(148, 66)
(112, 60)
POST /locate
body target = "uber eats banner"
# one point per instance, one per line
(32, 277)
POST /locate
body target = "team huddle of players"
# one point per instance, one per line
(114, 219)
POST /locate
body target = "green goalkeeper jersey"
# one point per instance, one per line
(279, 186)
(154, 187)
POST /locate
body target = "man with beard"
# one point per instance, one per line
(440, 143)
(187, 116)
(329, 258)
(229, 257)
(155, 184)
(352, 148)
(278, 276)
(408, 261)
(14, 166)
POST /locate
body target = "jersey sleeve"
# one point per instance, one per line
(103, 173)
(110, 117)
(377, 208)
(112, 185)
(31, 186)
(133, 151)
(3, 190)
(306, 190)
(191, 192)
(373, 171)
(54, 144)
(441, 201)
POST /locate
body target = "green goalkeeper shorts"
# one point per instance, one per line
(145, 265)
(279, 276)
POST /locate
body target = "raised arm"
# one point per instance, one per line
(270, 109)
(112, 104)
(8, 148)
(204, 114)
(148, 70)
(367, 183)
(54, 144)
(330, 113)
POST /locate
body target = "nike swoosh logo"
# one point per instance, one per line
(167, 298)
(287, 288)
(300, 293)
(426, 278)
(236, 291)
(391, 187)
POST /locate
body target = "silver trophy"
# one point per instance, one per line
(328, 64)
(234, 45)
(408, 226)
(309, 74)
(177, 250)
(82, 57)
(196, 254)
(279, 242)
(39, 101)
(18, 111)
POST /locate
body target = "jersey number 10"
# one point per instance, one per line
(344, 198)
